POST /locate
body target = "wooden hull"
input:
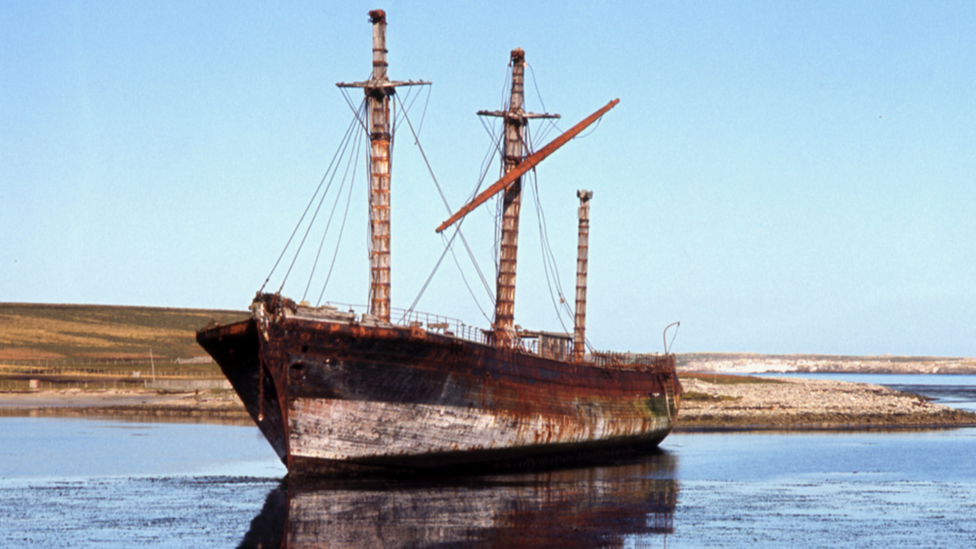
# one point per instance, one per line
(336, 396)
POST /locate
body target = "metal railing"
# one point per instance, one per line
(429, 321)
(630, 359)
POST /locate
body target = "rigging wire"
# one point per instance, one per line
(468, 286)
(423, 115)
(342, 227)
(298, 225)
(308, 229)
(359, 113)
(457, 229)
(536, 85)
(449, 211)
(345, 177)
(447, 206)
(405, 103)
(589, 133)
(548, 258)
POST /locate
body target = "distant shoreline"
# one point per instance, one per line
(753, 363)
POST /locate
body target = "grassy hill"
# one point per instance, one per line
(98, 333)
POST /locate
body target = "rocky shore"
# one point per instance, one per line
(716, 402)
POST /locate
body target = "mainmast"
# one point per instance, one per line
(514, 146)
(515, 165)
(579, 331)
(379, 90)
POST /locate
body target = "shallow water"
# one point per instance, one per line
(97, 483)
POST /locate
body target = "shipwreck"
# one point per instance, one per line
(337, 392)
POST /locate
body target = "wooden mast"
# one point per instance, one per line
(378, 109)
(514, 148)
(379, 91)
(582, 259)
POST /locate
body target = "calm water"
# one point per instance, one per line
(88, 483)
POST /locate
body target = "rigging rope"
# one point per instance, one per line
(423, 289)
(310, 223)
(355, 111)
(345, 177)
(548, 259)
(536, 85)
(307, 207)
(449, 212)
(423, 115)
(342, 228)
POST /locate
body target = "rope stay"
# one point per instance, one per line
(448, 244)
(339, 152)
(352, 183)
(311, 222)
(342, 227)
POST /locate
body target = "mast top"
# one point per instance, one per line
(515, 111)
(378, 82)
(518, 55)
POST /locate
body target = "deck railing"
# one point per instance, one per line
(531, 345)
(429, 321)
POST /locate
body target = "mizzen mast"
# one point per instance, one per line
(582, 260)
(379, 91)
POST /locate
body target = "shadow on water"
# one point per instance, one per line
(584, 507)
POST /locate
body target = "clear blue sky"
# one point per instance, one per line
(779, 176)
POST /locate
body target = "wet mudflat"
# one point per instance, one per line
(105, 483)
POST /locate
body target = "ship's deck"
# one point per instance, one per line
(557, 346)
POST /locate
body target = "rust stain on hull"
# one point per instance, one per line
(341, 395)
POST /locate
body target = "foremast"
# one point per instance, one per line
(379, 92)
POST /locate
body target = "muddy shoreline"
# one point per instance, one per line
(710, 404)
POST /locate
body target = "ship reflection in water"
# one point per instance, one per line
(591, 507)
